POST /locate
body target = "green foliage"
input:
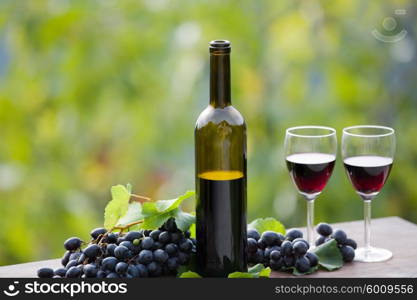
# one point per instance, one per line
(117, 207)
(189, 274)
(257, 271)
(329, 255)
(267, 224)
(158, 212)
(91, 95)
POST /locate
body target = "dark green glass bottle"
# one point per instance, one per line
(220, 155)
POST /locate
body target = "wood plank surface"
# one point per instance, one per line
(393, 233)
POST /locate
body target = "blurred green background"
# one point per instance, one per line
(95, 93)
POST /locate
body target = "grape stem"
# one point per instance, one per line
(140, 198)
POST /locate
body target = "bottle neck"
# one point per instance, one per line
(220, 80)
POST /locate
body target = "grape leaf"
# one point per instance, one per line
(184, 220)
(295, 272)
(117, 207)
(133, 214)
(256, 271)
(267, 224)
(329, 255)
(189, 274)
(164, 206)
(192, 231)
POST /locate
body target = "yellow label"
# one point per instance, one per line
(221, 175)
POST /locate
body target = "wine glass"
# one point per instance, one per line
(368, 153)
(310, 154)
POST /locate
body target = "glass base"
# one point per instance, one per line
(372, 254)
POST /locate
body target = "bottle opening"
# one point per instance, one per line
(220, 46)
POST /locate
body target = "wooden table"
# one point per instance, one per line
(393, 233)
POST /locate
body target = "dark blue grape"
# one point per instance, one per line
(128, 244)
(120, 239)
(293, 234)
(164, 237)
(275, 255)
(90, 271)
(65, 259)
(60, 272)
(351, 243)
(92, 251)
(302, 264)
(121, 267)
(320, 240)
(186, 246)
(268, 251)
(154, 269)
(147, 232)
(340, 236)
(176, 237)
(259, 256)
(112, 238)
(75, 255)
(155, 234)
(110, 249)
(109, 263)
(300, 240)
(312, 258)
(160, 256)
(45, 273)
(121, 252)
(187, 234)
(72, 263)
(113, 275)
(72, 244)
(145, 257)
(252, 245)
(147, 243)
(170, 225)
(324, 229)
(101, 274)
(73, 272)
(183, 258)
(286, 248)
(133, 235)
(270, 238)
(143, 271)
(348, 253)
(254, 234)
(289, 261)
(97, 231)
(157, 245)
(261, 244)
(81, 258)
(172, 263)
(133, 271)
(300, 248)
(277, 264)
(171, 249)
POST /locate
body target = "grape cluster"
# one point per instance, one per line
(143, 253)
(347, 246)
(280, 252)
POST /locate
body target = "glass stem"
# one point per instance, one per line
(367, 224)
(310, 222)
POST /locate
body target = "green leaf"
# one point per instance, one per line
(189, 274)
(133, 214)
(183, 220)
(155, 221)
(267, 224)
(192, 231)
(256, 271)
(117, 207)
(329, 255)
(164, 206)
(297, 273)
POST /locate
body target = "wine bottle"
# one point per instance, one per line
(220, 154)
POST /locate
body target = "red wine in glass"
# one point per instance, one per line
(368, 173)
(310, 171)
